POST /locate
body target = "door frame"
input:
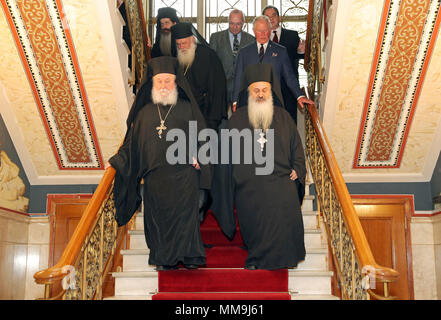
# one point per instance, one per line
(51, 205)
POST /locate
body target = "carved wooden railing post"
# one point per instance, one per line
(89, 253)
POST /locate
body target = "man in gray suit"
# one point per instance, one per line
(227, 44)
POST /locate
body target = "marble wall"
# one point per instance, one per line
(426, 257)
(24, 250)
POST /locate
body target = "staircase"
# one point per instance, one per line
(224, 271)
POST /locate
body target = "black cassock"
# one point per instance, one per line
(208, 84)
(170, 192)
(268, 206)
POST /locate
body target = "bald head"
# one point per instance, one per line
(236, 21)
(262, 29)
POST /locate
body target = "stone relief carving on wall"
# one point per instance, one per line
(12, 187)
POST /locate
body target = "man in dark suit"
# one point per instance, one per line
(227, 44)
(266, 51)
(296, 50)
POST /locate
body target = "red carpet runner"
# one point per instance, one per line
(223, 278)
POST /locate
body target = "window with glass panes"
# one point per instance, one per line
(293, 16)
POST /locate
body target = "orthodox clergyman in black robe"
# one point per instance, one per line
(163, 45)
(204, 72)
(170, 191)
(268, 204)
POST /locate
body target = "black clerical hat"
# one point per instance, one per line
(164, 64)
(255, 73)
(182, 30)
(167, 12)
(258, 72)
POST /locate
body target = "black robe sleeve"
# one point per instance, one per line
(216, 99)
(126, 187)
(297, 160)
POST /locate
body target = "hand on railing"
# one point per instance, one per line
(303, 100)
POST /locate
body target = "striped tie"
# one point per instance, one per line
(261, 53)
(235, 45)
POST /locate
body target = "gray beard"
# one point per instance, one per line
(260, 114)
(170, 99)
(165, 43)
(186, 58)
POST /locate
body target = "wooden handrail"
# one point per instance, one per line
(361, 244)
(85, 225)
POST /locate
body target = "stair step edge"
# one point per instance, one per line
(304, 212)
(317, 250)
(291, 272)
(141, 232)
(293, 296)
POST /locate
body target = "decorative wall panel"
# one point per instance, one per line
(44, 43)
(406, 38)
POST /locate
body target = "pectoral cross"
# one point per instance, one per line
(161, 128)
(262, 140)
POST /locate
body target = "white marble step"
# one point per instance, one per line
(137, 260)
(313, 239)
(308, 203)
(309, 282)
(129, 283)
(144, 283)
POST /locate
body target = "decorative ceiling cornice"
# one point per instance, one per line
(44, 43)
(406, 38)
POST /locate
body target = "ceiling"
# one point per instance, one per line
(64, 95)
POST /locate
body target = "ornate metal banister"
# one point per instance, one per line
(88, 255)
(353, 258)
(355, 265)
(139, 39)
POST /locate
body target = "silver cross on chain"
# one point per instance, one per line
(262, 140)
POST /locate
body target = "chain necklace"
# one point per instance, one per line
(162, 126)
(186, 69)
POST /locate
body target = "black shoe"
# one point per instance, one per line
(190, 266)
(250, 267)
(166, 268)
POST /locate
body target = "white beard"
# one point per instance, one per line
(260, 114)
(186, 58)
(165, 43)
(170, 98)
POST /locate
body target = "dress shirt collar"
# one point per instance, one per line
(265, 45)
(231, 35)
(279, 32)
